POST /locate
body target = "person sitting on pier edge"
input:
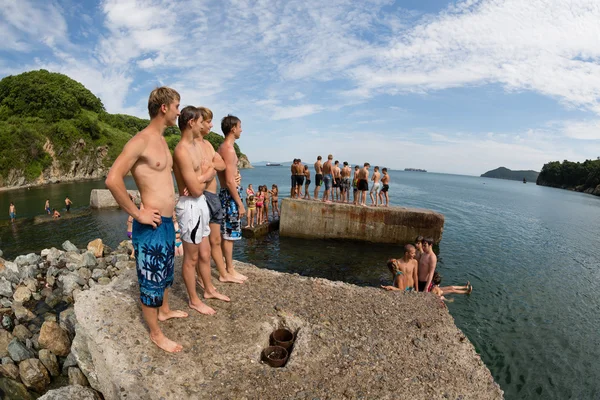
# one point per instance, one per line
(404, 271)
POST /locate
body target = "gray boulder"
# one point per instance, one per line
(85, 273)
(9, 271)
(89, 260)
(5, 338)
(18, 352)
(76, 377)
(70, 282)
(5, 288)
(98, 273)
(22, 314)
(75, 392)
(22, 294)
(28, 271)
(22, 333)
(68, 321)
(29, 259)
(53, 255)
(68, 246)
(10, 371)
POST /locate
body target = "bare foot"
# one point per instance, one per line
(239, 276)
(216, 295)
(229, 279)
(171, 314)
(247, 226)
(166, 344)
(202, 308)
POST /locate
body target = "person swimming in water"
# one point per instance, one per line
(441, 291)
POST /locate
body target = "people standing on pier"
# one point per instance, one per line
(337, 180)
(259, 205)
(307, 182)
(345, 184)
(266, 201)
(148, 158)
(327, 178)
(318, 177)
(427, 264)
(47, 207)
(419, 247)
(193, 171)
(275, 200)
(231, 229)
(68, 203)
(376, 186)
(212, 198)
(12, 212)
(363, 183)
(251, 203)
(299, 178)
(404, 271)
(383, 195)
(293, 171)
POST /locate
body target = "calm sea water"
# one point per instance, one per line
(532, 254)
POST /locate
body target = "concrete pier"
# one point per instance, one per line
(102, 198)
(318, 220)
(261, 230)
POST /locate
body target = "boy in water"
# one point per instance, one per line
(68, 203)
(441, 291)
(47, 207)
(385, 180)
(148, 158)
(55, 214)
(12, 212)
(404, 271)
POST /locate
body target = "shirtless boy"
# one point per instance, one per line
(363, 183)
(385, 181)
(47, 207)
(337, 181)
(404, 271)
(345, 185)
(318, 177)
(427, 264)
(212, 199)
(293, 171)
(376, 186)
(148, 158)
(327, 178)
(231, 228)
(68, 203)
(192, 172)
(299, 178)
(355, 184)
(12, 212)
(419, 247)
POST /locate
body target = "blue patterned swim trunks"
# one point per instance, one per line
(231, 227)
(154, 259)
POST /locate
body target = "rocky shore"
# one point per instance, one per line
(37, 318)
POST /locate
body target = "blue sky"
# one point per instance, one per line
(458, 87)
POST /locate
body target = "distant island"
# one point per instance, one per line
(415, 170)
(505, 173)
(578, 176)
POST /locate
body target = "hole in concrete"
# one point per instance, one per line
(281, 345)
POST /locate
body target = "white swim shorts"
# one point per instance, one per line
(193, 217)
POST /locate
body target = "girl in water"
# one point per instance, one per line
(275, 200)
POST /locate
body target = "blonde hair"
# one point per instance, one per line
(160, 96)
(207, 115)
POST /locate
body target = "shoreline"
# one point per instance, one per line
(35, 185)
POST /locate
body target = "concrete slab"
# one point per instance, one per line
(353, 342)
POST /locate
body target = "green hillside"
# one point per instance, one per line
(505, 173)
(580, 176)
(40, 107)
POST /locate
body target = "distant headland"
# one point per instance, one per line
(415, 170)
(577, 176)
(505, 173)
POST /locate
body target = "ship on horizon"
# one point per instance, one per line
(271, 164)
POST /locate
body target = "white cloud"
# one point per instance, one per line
(295, 111)
(583, 130)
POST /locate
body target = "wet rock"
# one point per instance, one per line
(75, 392)
(55, 339)
(34, 375)
(5, 338)
(76, 377)
(96, 247)
(10, 271)
(70, 282)
(29, 259)
(10, 371)
(22, 333)
(50, 362)
(22, 314)
(22, 294)
(68, 246)
(14, 390)
(5, 288)
(18, 351)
